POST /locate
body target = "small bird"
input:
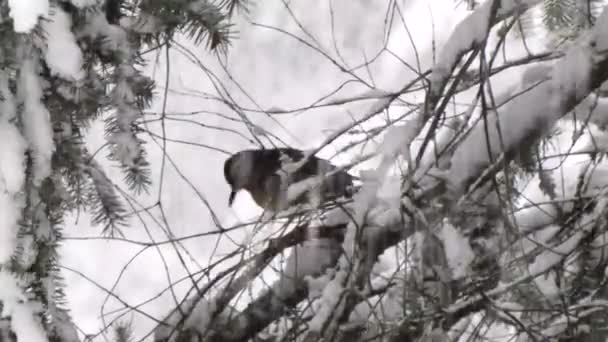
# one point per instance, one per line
(260, 172)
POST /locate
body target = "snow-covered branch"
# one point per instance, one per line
(470, 34)
(572, 78)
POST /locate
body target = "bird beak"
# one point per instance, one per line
(231, 198)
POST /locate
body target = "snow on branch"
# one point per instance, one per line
(12, 171)
(25, 13)
(572, 78)
(36, 117)
(593, 109)
(24, 314)
(130, 95)
(469, 34)
(361, 244)
(538, 209)
(309, 258)
(62, 54)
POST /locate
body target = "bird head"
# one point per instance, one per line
(238, 171)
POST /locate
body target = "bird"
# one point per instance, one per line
(261, 173)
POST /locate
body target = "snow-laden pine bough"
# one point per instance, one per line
(458, 217)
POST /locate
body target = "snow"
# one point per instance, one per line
(8, 107)
(9, 219)
(123, 95)
(25, 13)
(535, 209)
(115, 37)
(127, 149)
(443, 138)
(30, 251)
(364, 203)
(329, 300)
(552, 256)
(12, 173)
(525, 116)
(305, 261)
(458, 252)
(62, 55)
(384, 309)
(36, 119)
(25, 321)
(573, 77)
(598, 35)
(396, 141)
(592, 109)
(470, 32)
(65, 327)
(199, 319)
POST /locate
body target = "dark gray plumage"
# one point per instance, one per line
(258, 172)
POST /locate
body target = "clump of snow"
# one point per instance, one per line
(468, 33)
(329, 300)
(599, 37)
(63, 56)
(550, 257)
(12, 172)
(25, 319)
(397, 139)
(458, 252)
(536, 209)
(36, 119)
(25, 13)
(12, 156)
(525, 117)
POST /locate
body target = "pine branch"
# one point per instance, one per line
(557, 14)
(107, 208)
(200, 20)
(123, 331)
